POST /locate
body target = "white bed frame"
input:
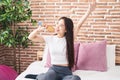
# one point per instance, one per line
(113, 72)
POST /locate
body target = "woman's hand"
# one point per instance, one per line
(41, 29)
(92, 5)
(35, 36)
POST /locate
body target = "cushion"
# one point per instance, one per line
(7, 73)
(48, 61)
(76, 48)
(92, 56)
(45, 54)
(110, 56)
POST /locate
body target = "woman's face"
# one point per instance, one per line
(60, 28)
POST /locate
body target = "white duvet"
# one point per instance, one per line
(111, 74)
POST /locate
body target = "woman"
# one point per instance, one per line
(61, 47)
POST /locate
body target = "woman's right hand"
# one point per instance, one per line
(41, 29)
(35, 36)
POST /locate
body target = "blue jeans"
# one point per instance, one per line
(58, 73)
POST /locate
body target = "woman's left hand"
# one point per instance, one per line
(92, 5)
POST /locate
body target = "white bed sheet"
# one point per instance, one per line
(111, 74)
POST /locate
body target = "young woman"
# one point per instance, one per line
(61, 47)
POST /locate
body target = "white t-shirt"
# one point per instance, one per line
(57, 49)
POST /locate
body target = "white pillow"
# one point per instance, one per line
(110, 50)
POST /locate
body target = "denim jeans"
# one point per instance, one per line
(58, 73)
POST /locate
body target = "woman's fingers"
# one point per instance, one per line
(41, 29)
(92, 5)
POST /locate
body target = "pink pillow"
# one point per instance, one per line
(92, 56)
(48, 61)
(76, 48)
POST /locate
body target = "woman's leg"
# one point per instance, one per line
(71, 77)
(49, 75)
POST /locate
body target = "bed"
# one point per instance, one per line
(112, 73)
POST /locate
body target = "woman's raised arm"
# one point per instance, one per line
(91, 7)
(35, 36)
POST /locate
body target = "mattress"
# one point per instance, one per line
(111, 74)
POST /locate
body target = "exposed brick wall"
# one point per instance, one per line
(103, 23)
(6, 55)
(2, 56)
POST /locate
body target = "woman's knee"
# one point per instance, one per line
(71, 77)
(51, 74)
(75, 77)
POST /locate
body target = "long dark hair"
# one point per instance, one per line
(69, 39)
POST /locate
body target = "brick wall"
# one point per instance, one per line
(103, 23)
(2, 56)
